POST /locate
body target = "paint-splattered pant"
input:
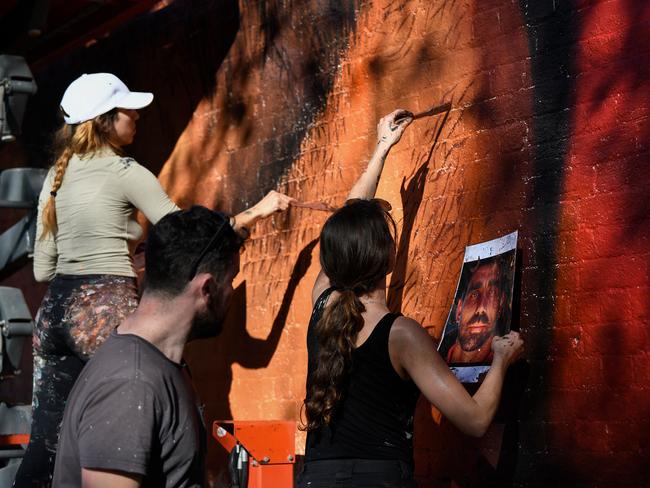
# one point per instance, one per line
(76, 316)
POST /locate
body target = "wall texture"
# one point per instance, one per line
(548, 134)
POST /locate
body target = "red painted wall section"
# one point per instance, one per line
(598, 400)
(547, 134)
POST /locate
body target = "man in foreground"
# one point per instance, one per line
(132, 418)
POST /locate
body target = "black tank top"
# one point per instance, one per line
(375, 419)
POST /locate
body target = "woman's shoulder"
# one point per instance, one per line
(122, 162)
(49, 176)
(407, 331)
(123, 165)
(126, 161)
(411, 344)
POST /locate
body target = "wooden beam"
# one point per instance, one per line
(103, 30)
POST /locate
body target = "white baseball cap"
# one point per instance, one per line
(94, 94)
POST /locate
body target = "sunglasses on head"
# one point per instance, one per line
(213, 245)
(383, 204)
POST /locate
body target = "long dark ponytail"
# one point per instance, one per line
(357, 251)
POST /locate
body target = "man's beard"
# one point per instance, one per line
(205, 326)
(473, 341)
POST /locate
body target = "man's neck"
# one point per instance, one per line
(164, 322)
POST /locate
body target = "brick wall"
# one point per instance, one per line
(547, 134)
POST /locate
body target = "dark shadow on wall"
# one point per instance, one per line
(173, 52)
(411, 195)
(300, 89)
(249, 352)
(235, 345)
(552, 30)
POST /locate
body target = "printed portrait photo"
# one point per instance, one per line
(482, 306)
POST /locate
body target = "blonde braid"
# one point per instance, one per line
(84, 139)
(49, 211)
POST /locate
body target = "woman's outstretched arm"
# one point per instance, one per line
(389, 131)
(413, 354)
(271, 203)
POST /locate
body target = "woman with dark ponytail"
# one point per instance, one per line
(367, 366)
(84, 229)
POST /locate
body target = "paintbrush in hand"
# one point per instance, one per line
(438, 109)
(322, 206)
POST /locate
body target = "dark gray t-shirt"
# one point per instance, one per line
(132, 410)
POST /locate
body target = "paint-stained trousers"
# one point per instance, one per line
(76, 316)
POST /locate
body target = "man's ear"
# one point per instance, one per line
(206, 285)
(459, 306)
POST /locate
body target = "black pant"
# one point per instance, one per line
(76, 316)
(356, 473)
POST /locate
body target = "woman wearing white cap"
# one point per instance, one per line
(85, 221)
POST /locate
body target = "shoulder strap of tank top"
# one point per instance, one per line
(319, 306)
(383, 327)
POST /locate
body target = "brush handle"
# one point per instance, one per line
(438, 109)
(322, 206)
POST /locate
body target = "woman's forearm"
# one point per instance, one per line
(389, 131)
(271, 203)
(366, 186)
(243, 221)
(488, 395)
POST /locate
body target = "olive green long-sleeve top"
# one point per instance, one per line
(94, 209)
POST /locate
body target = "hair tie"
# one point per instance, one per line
(53, 193)
(356, 290)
